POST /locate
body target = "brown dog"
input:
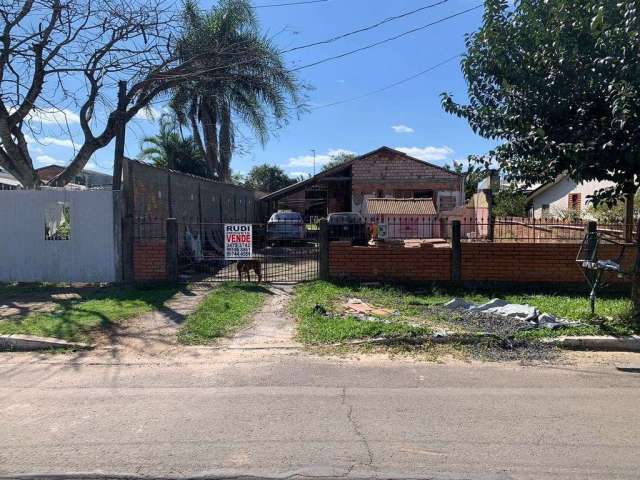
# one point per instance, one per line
(247, 266)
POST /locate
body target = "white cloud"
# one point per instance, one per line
(428, 154)
(46, 141)
(307, 160)
(299, 174)
(402, 129)
(149, 114)
(46, 159)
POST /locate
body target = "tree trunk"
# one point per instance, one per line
(635, 277)
(196, 135)
(629, 199)
(209, 120)
(226, 143)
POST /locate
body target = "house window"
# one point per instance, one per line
(379, 194)
(546, 210)
(57, 221)
(423, 194)
(575, 201)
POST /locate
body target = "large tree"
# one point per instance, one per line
(262, 94)
(169, 149)
(557, 82)
(60, 62)
(268, 178)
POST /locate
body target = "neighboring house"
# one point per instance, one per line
(85, 180)
(8, 181)
(555, 199)
(88, 179)
(382, 173)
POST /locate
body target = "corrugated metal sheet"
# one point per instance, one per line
(400, 206)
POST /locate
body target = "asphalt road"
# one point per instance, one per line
(220, 414)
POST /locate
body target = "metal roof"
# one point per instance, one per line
(400, 206)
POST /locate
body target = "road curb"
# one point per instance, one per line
(597, 343)
(27, 343)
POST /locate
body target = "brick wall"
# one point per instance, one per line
(529, 262)
(540, 263)
(390, 261)
(150, 260)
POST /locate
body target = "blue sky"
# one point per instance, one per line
(408, 116)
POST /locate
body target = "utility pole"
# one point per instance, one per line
(120, 134)
(314, 161)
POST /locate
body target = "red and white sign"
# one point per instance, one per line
(238, 241)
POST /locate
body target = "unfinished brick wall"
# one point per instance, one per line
(390, 261)
(150, 260)
(541, 263)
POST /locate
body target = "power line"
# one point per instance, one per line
(365, 29)
(289, 4)
(386, 40)
(395, 84)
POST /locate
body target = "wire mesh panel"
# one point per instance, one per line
(284, 252)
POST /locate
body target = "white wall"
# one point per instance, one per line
(92, 253)
(557, 196)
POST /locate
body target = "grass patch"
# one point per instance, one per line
(414, 306)
(75, 320)
(223, 312)
(315, 328)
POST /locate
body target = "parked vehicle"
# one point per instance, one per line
(348, 226)
(285, 226)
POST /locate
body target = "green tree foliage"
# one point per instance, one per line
(252, 86)
(610, 214)
(338, 159)
(509, 202)
(168, 149)
(558, 83)
(268, 178)
(473, 175)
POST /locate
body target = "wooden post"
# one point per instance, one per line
(628, 217)
(490, 227)
(121, 129)
(172, 250)
(324, 250)
(635, 277)
(456, 251)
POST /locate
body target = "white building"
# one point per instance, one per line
(557, 198)
(8, 181)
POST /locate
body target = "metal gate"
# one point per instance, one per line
(282, 253)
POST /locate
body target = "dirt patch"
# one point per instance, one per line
(154, 332)
(272, 326)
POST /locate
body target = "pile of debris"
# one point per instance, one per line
(500, 316)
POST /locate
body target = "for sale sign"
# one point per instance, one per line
(238, 239)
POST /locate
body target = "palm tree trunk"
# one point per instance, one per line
(196, 134)
(226, 143)
(209, 120)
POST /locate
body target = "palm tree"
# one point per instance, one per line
(168, 149)
(253, 85)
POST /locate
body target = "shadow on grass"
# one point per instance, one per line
(97, 309)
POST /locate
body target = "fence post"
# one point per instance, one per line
(172, 249)
(128, 239)
(324, 249)
(456, 251)
(591, 227)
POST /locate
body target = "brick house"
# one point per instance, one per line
(382, 173)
